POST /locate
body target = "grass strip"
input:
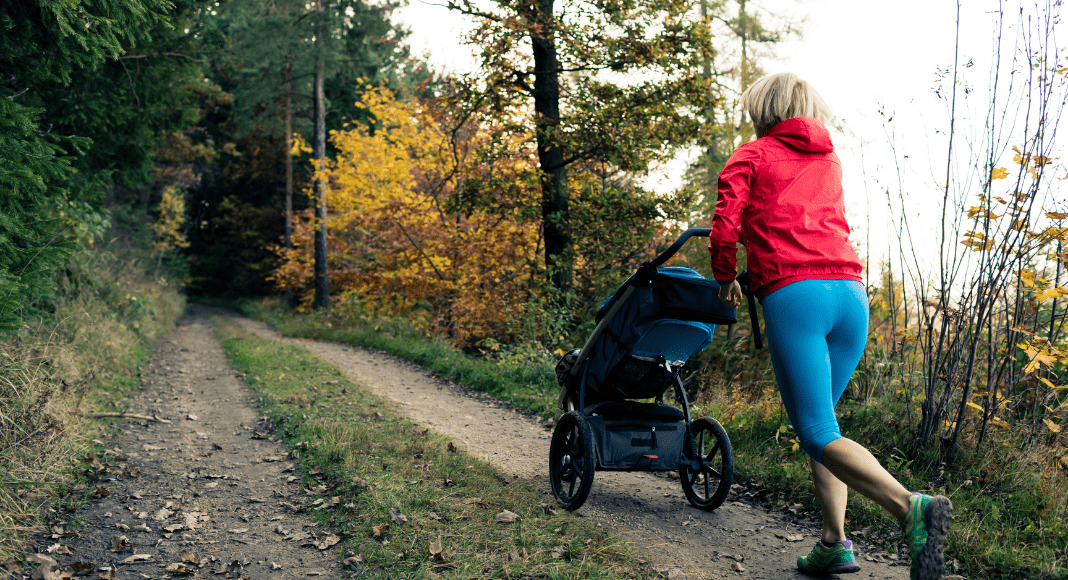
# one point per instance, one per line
(523, 380)
(404, 501)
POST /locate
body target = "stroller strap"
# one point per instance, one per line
(743, 281)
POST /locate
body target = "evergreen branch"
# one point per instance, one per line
(151, 54)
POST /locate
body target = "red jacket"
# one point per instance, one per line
(781, 196)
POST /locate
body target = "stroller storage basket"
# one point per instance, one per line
(638, 443)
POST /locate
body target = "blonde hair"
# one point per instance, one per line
(776, 98)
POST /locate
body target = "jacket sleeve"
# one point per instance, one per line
(735, 182)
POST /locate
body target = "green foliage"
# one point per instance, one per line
(31, 246)
(79, 114)
(614, 84)
(47, 41)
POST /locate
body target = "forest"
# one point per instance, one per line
(297, 161)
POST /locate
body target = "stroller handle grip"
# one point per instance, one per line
(674, 248)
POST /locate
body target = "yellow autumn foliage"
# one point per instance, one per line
(402, 236)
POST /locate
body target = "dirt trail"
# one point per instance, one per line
(209, 491)
(212, 490)
(650, 510)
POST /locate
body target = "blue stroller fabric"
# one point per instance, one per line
(670, 315)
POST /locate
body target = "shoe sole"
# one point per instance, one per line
(938, 517)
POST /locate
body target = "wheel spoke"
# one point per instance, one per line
(715, 449)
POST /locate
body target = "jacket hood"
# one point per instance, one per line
(803, 134)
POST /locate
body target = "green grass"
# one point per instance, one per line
(363, 452)
(1010, 510)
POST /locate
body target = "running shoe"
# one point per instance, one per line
(837, 559)
(926, 528)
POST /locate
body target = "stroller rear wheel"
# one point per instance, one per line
(707, 488)
(571, 461)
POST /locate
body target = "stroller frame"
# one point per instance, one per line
(607, 431)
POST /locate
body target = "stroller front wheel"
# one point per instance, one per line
(706, 489)
(571, 461)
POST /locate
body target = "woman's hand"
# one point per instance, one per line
(731, 294)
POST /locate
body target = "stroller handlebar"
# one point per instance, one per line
(674, 248)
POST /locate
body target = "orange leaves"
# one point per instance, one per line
(422, 225)
(1051, 293)
(978, 212)
(977, 241)
(999, 173)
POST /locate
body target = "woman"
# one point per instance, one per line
(781, 196)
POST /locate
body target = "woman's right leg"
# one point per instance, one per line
(855, 466)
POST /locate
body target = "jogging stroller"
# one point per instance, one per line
(646, 332)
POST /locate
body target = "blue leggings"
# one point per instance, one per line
(816, 332)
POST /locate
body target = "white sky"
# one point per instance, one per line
(862, 57)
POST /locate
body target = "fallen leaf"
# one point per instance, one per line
(737, 567)
(397, 517)
(142, 528)
(189, 556)
(122, 526)
(191, 417)
(238, 530)
(41, 559)
(451, 448)
(435, 550)
(100, 493)
(178, 568)
(137, 558)
(162, 514)
(173, 528)
(560, 551)
(191, 520)
(328, 541)
(352, 562)
(507, 517)
(434, 516)
(275, 566)
(82, 568)
(107, 573)
(119, 544)
(380, 530)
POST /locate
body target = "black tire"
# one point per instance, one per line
(708, 488)
(571, 461)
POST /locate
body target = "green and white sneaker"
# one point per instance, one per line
(926, 528)
(837, 559)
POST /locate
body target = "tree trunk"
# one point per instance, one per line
(288, 155)
(706, 74)
(554, 196)
(322, 280)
